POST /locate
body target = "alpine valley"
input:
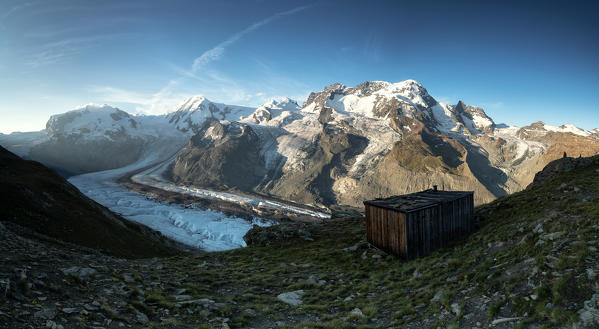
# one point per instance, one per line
(343, 145)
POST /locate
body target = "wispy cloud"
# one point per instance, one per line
(372, 48)
(217, 52)
(149, 103)
(17, 8)
(53, 52)
(209, 82)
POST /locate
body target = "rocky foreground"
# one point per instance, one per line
(531, 263)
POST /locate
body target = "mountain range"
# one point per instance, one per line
(343, 145)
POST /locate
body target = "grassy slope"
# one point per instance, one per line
(502, 270)
(36, 198)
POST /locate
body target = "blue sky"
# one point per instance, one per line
(520, 62)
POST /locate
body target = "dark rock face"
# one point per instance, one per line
(40, 202)
(563, 165)
(330, 154)
(221, 156)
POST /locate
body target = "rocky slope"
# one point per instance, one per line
(38, 202)
(532, 262)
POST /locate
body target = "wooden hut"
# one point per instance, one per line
(413, 225)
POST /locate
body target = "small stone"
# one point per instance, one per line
(437, 296)
(311, 279)
(538, 229)
(86, 271)
(250, 312)
(82, 272)
(142, 318)
(47, 314)
(128, 278)
(4, 287)
(349, 298)
(416, 274)
(69, 310)
(376, 256)
(552, 236)
(181, 297)
(203, 301)
(455, 308)
(356, 312)
(591, 274)
(350, 248)
(91, 308)
(279, 323)
(293, 298)
(534, 297)
(70, 271)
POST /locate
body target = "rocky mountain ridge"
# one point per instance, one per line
(341, 146)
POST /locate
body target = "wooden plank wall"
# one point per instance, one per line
(435, 227)
(418, 233)
(386, 230)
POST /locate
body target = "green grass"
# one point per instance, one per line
(497, 263)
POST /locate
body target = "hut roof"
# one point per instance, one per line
(416, 201)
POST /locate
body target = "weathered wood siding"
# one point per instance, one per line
(419, 232)
(386, 229)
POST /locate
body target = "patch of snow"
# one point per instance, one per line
(510, 131)
(444, 114)
(524, 148)
(353, 104)
(381, 138)
(568, 128)
(481, 122)
(470, 125)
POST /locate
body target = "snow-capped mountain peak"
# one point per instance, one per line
(192, 103)
(192, 113)
(282, 103)
(568, 128)
(94, 120)
(275, 112)
(374, 99)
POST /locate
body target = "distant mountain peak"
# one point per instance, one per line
(192, 103)
(281, 103)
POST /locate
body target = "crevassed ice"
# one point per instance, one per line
(204, 229)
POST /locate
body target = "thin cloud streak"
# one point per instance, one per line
(217, 52)
(148, 103)
(212, 82)
(54, 52)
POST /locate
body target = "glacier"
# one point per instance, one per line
(206, 230)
